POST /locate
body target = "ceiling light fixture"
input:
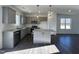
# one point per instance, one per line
(69, 10)
(50, 10)
(50, 7)
(38, 11)
(37, 5)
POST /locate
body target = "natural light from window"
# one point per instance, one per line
(65, 23)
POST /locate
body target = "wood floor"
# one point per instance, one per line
(67, 44)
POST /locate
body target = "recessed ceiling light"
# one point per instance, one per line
(69, 10)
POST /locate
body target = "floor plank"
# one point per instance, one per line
(68, 44)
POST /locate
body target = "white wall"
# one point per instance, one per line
(1, 27)
(52, 21)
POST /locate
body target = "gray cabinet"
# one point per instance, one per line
(9, 15)
(28, 19)
(11, 39)
(42, 19)
(24, 32)
(35, 19)
(23, 19)
(16, 37)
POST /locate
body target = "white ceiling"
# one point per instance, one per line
(59, 9)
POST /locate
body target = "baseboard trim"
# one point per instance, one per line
(67, 34)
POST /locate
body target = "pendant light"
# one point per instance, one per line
(38, 11)
(50, 6)
(50, 10)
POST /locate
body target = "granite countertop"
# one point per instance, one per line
(15, 29)
(12, 30)
(46, 31)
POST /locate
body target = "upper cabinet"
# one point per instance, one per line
(35, 20)
(9, 16)
(23, 19)
(42, 19)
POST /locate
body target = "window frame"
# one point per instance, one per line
(65, 23)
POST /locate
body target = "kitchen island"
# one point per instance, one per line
(42, 36)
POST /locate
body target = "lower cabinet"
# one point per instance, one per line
(11, 39)
(16, 37)
(42, 37)
(24, 32)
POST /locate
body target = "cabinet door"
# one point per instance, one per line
(16, 37)
(24, 22)
(5, 15)
(11, 16)
(42, 19)
(23, 33)
(21, 19)
(8, 16)
(36, 37)
(41, 37)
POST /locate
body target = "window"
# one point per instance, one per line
(62, 23)
(68, 23)
(65, 23)
(17, 20)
